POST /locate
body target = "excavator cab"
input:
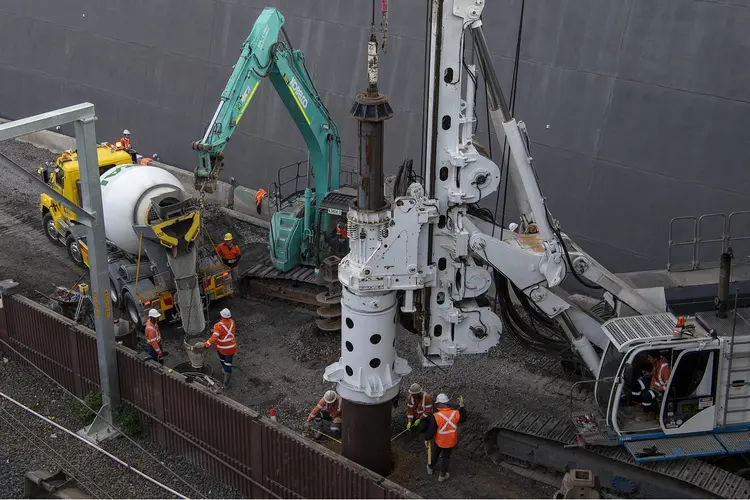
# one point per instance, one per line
(331, 233)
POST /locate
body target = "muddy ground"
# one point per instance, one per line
(282, 354)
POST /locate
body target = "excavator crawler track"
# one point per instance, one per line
(298, 285)
(542, 440)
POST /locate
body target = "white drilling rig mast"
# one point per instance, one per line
(427, 241)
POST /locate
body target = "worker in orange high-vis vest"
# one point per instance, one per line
(259, 195)
(229, 254)
(224, 340)
(124, 141)
(442, 425)
(328, 410)
(656, 380)
(153, 337)
(419, 404)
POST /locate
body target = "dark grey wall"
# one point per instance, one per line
(639, 110)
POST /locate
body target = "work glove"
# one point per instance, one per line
(460, 401)
(408, 425)
(199, 344)
(417, 422)
(307, 424)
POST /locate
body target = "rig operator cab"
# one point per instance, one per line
(704, 409)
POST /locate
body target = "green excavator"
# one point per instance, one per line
(309, 223)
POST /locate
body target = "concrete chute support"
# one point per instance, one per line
(83, 118)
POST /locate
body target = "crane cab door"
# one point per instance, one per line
(689, 404)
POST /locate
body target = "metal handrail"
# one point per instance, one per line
(692, 242)
(725, 239)
(731, 238)
(589, 381)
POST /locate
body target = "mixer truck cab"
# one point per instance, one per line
(64, 176)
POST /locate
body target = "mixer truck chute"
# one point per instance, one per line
(153, 228)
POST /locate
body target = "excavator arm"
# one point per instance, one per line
(264, 55)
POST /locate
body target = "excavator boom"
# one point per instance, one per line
(265, 55)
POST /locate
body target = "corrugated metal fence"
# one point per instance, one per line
(259, 458)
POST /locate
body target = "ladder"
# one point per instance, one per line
(738, 376)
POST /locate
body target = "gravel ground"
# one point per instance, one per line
(35, 444)
(282, 355)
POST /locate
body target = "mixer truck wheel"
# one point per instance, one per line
(50, 230)
(74, 250)
(116, 303)
(132, 309)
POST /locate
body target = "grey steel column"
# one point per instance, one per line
(96, 240)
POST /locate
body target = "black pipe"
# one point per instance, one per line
(496, 99)
(366, 435)
(725, 270)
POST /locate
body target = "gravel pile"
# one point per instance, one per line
(21, 446)
(26, 255)
(30, 158)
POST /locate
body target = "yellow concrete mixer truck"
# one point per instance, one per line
(155, 255)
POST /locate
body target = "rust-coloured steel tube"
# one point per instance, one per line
(366, 435)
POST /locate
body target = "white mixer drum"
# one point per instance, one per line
(127, 191)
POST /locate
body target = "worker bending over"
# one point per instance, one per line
(328, 410)
(418, 404)
(656, 381)
(442, 425)
(153, 337)
(224, 340)
(229, 254)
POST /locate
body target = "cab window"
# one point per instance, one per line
(104, 168)
(693, 387)
(60, 177)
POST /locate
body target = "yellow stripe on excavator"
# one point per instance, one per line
(299, 104)
(247, 101)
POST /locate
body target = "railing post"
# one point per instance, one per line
(7, 288)
(75, 361)
(157, 405)
(256, 457)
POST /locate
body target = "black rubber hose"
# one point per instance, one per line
(526, 334)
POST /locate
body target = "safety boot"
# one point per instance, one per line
(227, 376)
(444, 477)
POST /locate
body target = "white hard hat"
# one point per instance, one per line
(126, 132)
(513, 226)
(442, 398)
(153, 313)
(225, 313)
(329, 397)
(415, 389)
